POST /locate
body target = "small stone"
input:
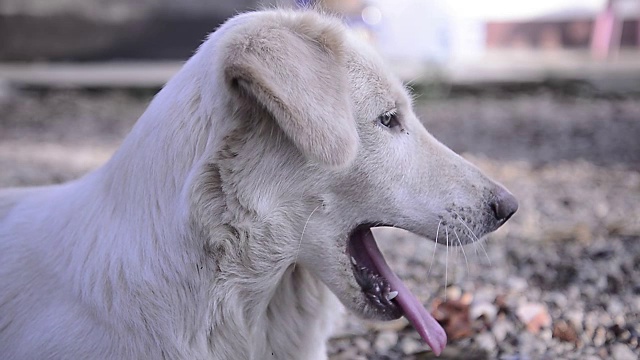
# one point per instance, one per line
(486, 309)
(619, 320)
(394, 325)
(453, 293)
(592, 357)
(345, 326)
(362, 344)
(559, 299)
(575, 318)
(590, 324)
(385, 341)
(590, 351)
(466, 298)
(600, 336)
(348, 354)
(573, 292)
(486, 341)
(545, 334)
(624, 336)
(615, 307)
(410, 346)
(602, 352)
(564, 331)
(605, 319)
(501, 328)
(484, 294)
(517, 284)
(535, 316)
(635, 302)
(502, 303)
(622, 352)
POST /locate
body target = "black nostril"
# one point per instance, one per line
(504, 206)
(495, 208)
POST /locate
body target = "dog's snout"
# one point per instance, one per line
(504, 205)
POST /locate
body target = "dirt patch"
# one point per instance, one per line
(540, 129)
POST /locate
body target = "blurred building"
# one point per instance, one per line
(435, 31)
(454, 41)
(445, 30)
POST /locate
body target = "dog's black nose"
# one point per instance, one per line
(504, 205)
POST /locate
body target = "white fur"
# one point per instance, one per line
(218, 228)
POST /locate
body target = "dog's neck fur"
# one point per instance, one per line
(226, 283)
(271, 291)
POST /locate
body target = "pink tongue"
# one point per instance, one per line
(428, 328)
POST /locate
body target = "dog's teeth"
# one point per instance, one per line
(392, 295)
(353, 261)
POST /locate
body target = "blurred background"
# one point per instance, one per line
(544, 96)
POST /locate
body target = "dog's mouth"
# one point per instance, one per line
(385, 292)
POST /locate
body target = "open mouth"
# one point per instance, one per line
(386, 292)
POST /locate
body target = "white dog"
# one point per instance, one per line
(244, 193)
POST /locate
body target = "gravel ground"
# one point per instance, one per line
(560, 281)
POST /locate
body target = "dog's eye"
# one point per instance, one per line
(389, 119)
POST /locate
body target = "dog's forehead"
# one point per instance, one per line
(374, 87)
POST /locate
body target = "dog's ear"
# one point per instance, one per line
(295, 70)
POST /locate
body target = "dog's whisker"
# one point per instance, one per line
(475, 250)
(470, 231)
(485, 252)
(466, 226)
(302, 236)
(462, 249)
(446, 265)
(435, 246)
(477, 240)
(412, 81)
(415, 96)
(456, 252)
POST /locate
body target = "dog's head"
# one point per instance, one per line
(325, 145)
